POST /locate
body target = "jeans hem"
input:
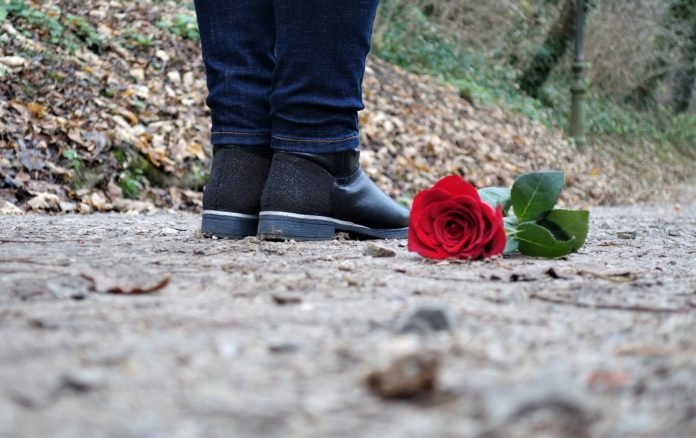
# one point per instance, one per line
(240, 138)
(315, 145)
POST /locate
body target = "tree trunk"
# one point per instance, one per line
(685, 77)
(684, 87)
(551, 51)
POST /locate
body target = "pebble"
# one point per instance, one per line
(283, 348)
(551, 391)
(346, 266)
(227, 349)
(76, 288)
(626, 234)
(427, 319)
(410, 369)
(285, 299)
(83, 380)
(376, 251)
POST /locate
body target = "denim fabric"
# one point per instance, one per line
(286, 73)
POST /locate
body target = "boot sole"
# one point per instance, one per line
(278, 225)
(228, 225)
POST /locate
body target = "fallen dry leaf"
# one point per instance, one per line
(45, 202)
(7, 208)
(119, 286)
(36, 109)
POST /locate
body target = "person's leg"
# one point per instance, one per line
(237, 39)
(315, 185)
(321, 46)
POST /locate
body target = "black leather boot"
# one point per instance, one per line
(231, 199)
(311, 196)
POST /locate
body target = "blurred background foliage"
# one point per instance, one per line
(106, 96)
(516, 54)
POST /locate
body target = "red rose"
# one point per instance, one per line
(451, 221)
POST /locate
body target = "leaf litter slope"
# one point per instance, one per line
(116, 120)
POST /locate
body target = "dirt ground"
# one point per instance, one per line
(255, 338)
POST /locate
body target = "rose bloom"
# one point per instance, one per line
(451, 221)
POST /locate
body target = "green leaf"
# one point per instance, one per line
(511, 245)
(535, 194)
(495, 196)
(575, 223)
(537, 241)
(3, 12)
(510, 225)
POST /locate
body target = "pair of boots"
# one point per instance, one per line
(296, 196)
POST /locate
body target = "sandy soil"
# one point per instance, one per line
(255, 338)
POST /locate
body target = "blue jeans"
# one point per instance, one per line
(286, 73)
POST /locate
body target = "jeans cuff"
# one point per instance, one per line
(315, 145)
(240, 138)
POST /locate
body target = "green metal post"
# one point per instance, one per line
(579, 88)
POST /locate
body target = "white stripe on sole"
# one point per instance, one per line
(231, 214)
(313, 217)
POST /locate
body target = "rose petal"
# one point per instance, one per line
(427, 197)
(455, 185)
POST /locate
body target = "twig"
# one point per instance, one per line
(641, 309)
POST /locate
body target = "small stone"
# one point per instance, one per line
(630, 234)
(427, 319)
(552, 392)
(43, 324)
(75, 288)
(346, 266)
(227, 349)
(673, 232)
(283, 299)
(283, 348)
(83, 380)
(410, 370)
(373, 250)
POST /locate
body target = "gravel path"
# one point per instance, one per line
(257, 338)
